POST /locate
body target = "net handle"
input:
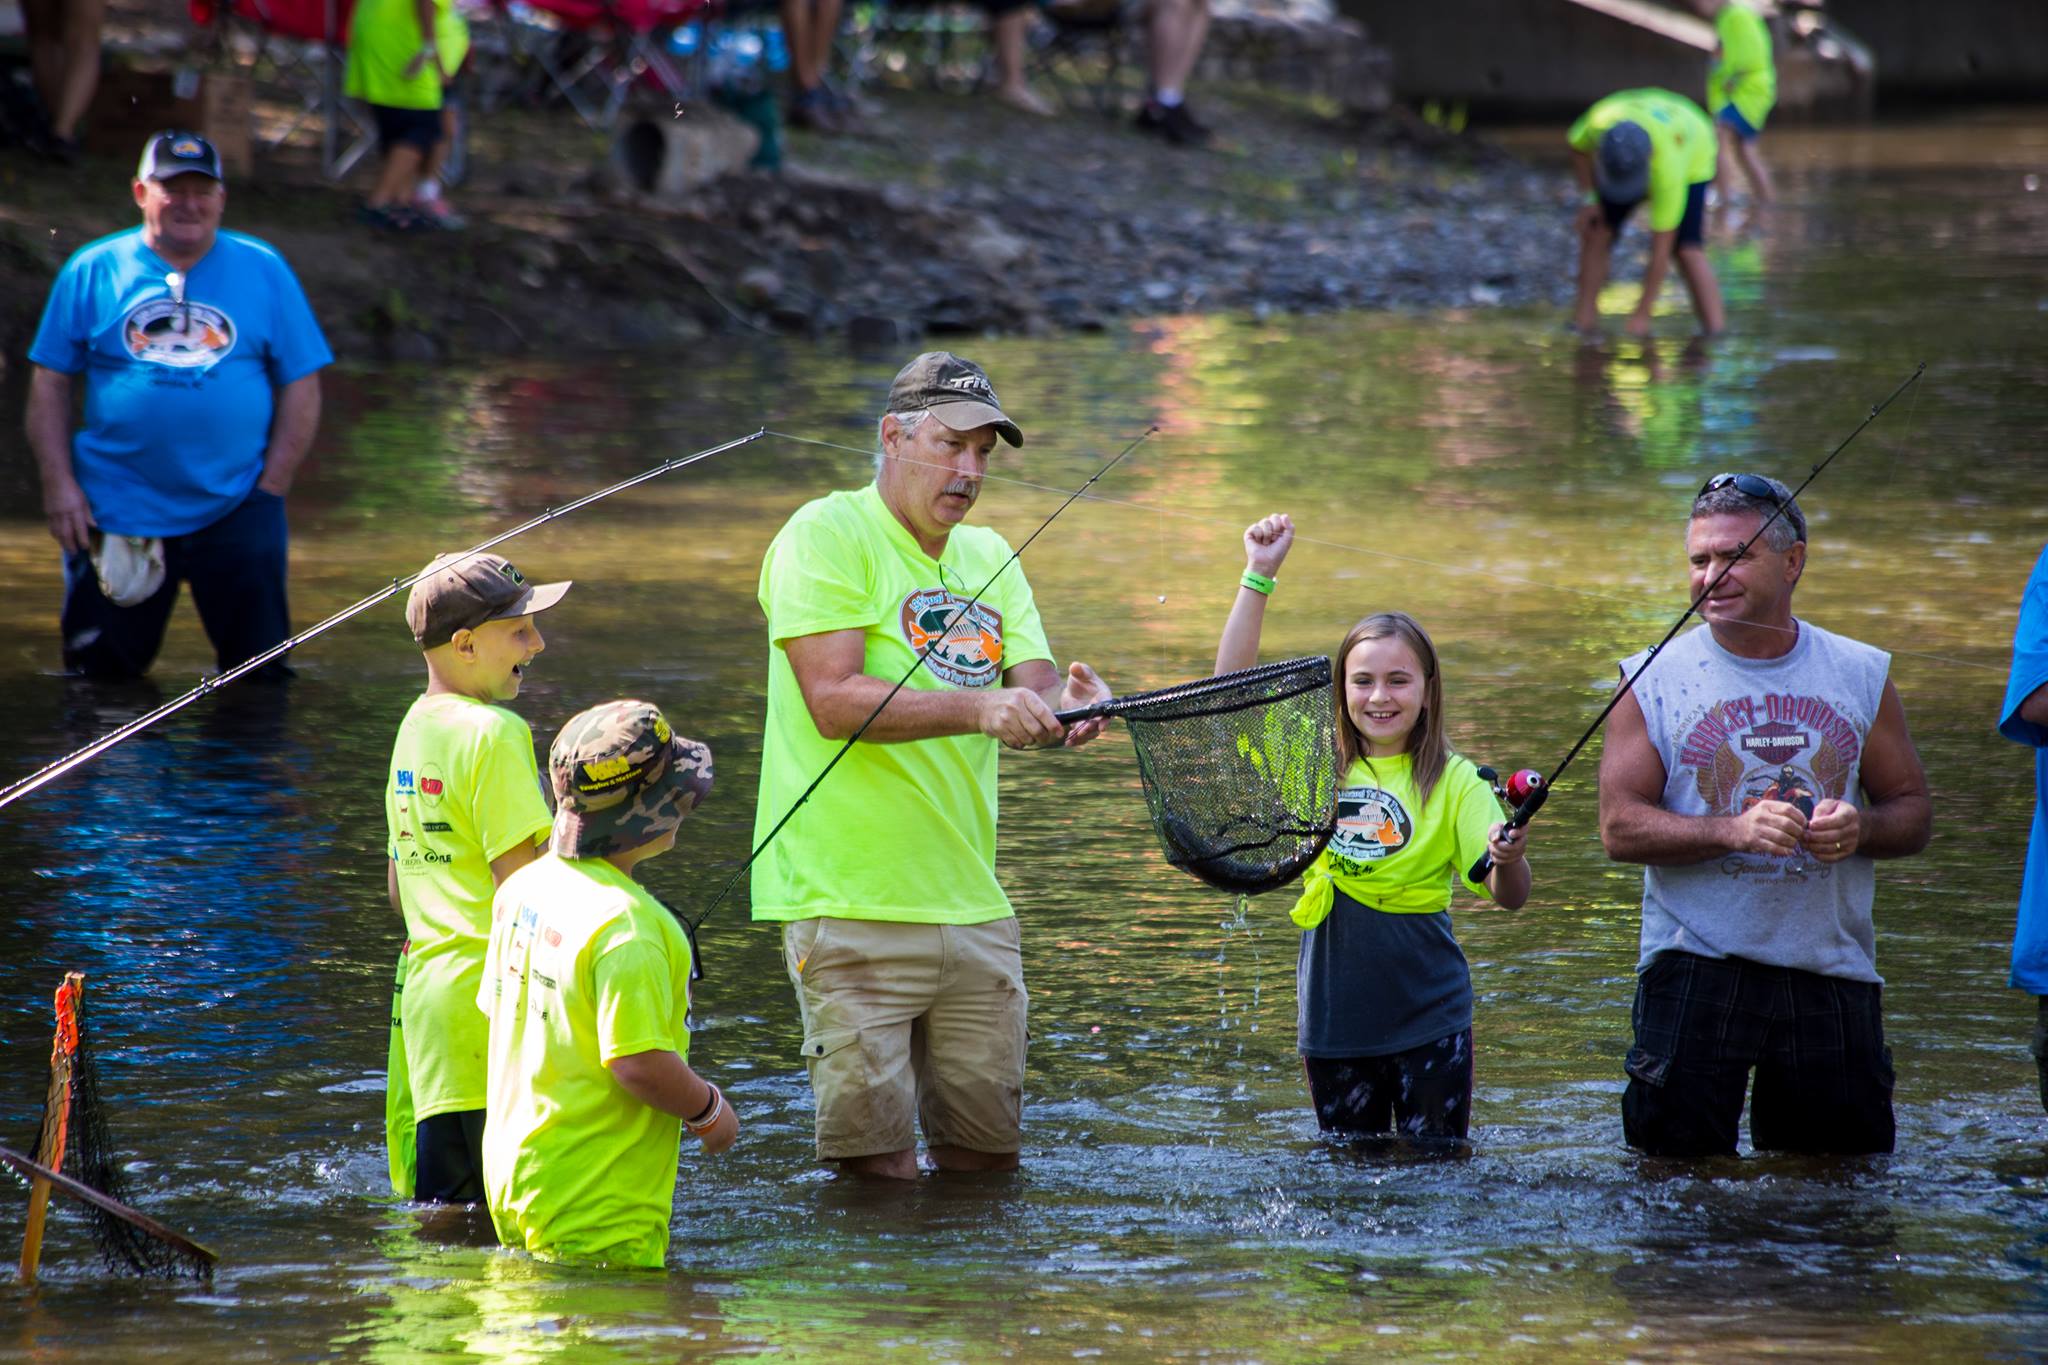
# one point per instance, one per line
(79, 1190)
(1195, 691)
(56, 1122)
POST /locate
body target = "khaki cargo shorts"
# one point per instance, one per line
(909, 1025)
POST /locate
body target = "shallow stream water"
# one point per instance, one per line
(220, 880)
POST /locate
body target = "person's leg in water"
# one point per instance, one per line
(1739, 143)
(1353, 1096)
(1599, 227)
(1434, 1098)
(1693, 266)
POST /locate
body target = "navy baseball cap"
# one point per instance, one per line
(1621, 169)
(176, 153)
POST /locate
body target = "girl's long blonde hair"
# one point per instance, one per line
(1428, 749)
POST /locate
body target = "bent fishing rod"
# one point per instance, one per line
(1539, 786)
(44, 776)
(915, 664)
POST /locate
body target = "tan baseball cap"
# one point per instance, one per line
(462, 591)
(955, 391)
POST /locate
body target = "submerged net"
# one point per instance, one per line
(1240, 771)
(76, 1140)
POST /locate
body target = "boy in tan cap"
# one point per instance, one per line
(463, 810)
(587, 985)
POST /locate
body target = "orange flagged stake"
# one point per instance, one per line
(56, 1121)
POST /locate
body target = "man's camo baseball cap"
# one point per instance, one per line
(461, 592)
(955, 391)
(622, 778)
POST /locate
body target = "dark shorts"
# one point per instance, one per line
(1731, 117)
(1425, 1092)
(419, 128)
(2039, 1046)
(1823, 1072)
(1691, 228)
(236, 568)
(448, 1164)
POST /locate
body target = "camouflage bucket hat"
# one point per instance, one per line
(622, 778)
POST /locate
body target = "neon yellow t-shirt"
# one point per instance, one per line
(383, 39)
(1397, 855)
(464, 789)
(584, 968)
(1745, 76)
(1682, 152)
(903, 832)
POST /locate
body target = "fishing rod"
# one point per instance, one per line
(937, 639)
(44, 776)
(1537, 786)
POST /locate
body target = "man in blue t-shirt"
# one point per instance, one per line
(2025, 721)
(201, 361)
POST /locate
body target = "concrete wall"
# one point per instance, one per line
(1954, 49)
(1536, 56)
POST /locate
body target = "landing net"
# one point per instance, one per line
(1240, 771)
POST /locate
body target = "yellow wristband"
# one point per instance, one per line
(1257, 582)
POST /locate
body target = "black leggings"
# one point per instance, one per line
(448, 1158)
(1423, 1092)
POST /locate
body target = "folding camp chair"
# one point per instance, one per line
(592, 54)
(1083, 50)
(298, 45)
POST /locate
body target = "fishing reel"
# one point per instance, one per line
(1519, 787)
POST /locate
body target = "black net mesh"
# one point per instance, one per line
(1240, 772)
(90, 1158)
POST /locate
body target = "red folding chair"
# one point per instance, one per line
(302, 44)
(594, 53)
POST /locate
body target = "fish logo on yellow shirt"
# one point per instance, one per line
(965, 642)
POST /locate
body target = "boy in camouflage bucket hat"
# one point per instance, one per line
(587, 985)
(622, 778)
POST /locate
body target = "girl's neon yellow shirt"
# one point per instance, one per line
(1393, 853)
(1746, 76)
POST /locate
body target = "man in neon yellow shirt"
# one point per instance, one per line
(464, 810)
(587, 988)
(1743, 85)
(900, 942)
(1635, 145)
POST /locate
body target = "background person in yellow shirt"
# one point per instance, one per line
(1635, 145)
(902, 947)
(587, 986)
(401, 56)
(1742, 87)
(464, 810)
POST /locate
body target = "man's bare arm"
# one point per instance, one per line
(49, 436)
(1900, 815)
(296, 418)
(2034, 710)
(840, 696)
(1636, 828)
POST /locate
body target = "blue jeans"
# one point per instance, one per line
(236, 568)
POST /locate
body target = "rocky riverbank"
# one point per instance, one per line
(950, 215)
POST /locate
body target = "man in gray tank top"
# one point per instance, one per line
(1758, 770)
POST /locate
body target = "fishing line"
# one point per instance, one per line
(937, 639)
(1469, 570)
(1534, 801)
(44, 776)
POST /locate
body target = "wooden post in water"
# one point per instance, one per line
(56, 1120)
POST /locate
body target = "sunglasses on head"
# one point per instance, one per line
(1758, 487)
